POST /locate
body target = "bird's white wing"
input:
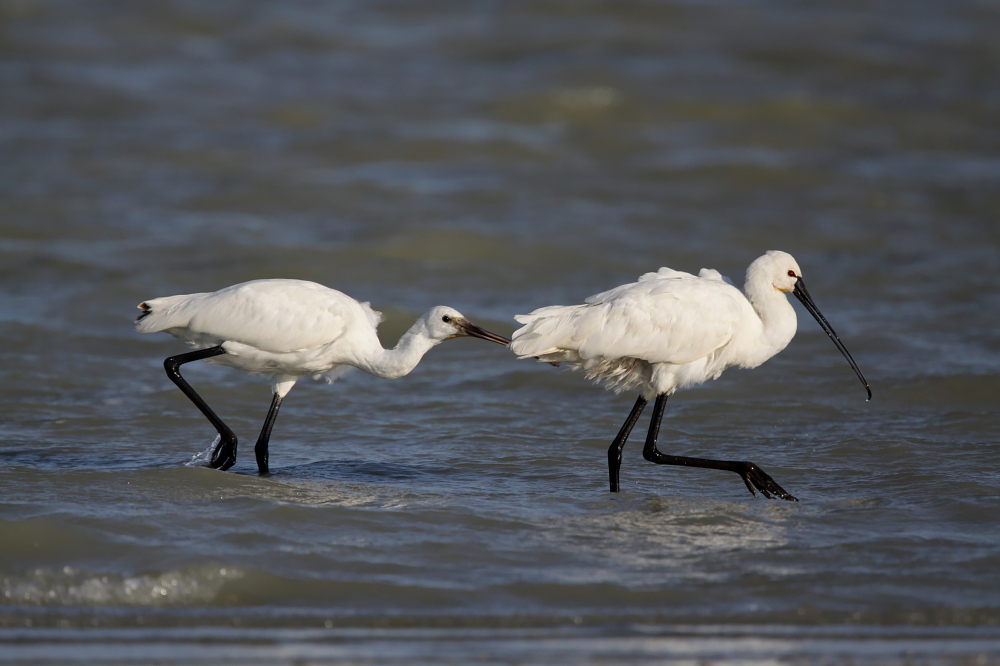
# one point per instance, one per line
(712, 274)
(271, 315)
(663, 273)
(666, 317)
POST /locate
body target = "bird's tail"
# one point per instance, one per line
(159, 314)
(544, 335)
(145, 311)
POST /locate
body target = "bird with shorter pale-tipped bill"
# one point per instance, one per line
(670, 330)
(289, 329)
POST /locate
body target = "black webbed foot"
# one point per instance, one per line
(757, 479)
(224, 455)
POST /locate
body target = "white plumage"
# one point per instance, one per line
(670, 330)
(289, 329)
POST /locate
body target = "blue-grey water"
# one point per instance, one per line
(498, 157)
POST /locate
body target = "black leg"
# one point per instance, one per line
(753, 476)
(224, 455)
(260, 450)
(615, 450)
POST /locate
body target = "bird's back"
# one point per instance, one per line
(275, 316)
(666, 317)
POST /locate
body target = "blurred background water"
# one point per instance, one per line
(497, 157)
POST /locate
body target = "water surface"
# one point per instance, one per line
(498, 157)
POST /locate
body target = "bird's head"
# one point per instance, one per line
(779, 268)
(444, 323)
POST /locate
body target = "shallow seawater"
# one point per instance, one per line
(498, 157)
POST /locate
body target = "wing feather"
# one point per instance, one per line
(277, 316)
(665, 317)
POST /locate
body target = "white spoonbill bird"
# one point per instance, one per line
(671, 330)
(289, 329)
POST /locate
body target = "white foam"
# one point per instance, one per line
(75, 587)
(202, 459)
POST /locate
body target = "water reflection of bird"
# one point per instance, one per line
(289, 329)
(672, 330)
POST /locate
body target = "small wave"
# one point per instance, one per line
(70, 586)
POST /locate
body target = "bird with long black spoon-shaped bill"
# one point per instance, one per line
(289, 329)
(670, 330)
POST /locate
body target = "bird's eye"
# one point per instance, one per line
(792, 274)
(446, 319)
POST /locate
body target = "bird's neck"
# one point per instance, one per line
(777, 322)
(401, 359)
